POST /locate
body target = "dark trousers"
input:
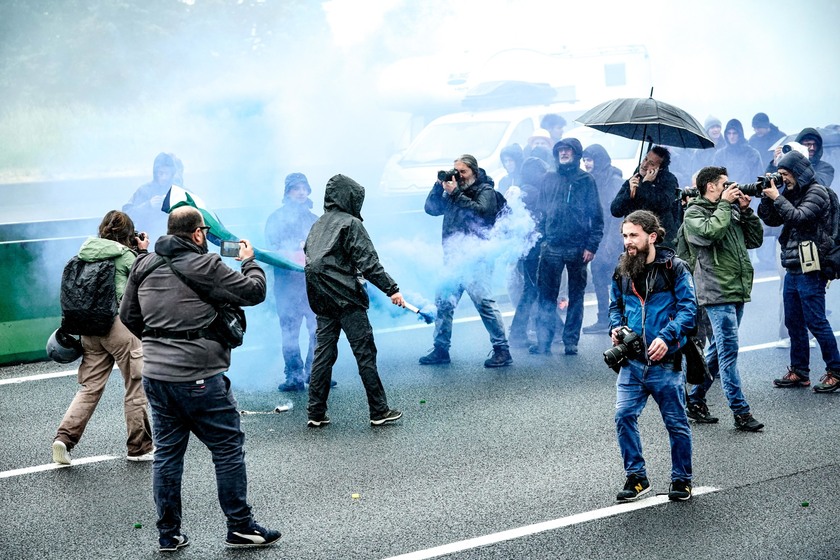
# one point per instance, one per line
(208, 410)
(602, 268)
(519, 326)
(356, 327)
(292, 311)
(552, 263)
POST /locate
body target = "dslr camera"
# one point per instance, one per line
(629, 344)
(757, 189)
(451, 175)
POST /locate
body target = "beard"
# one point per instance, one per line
(633, 266)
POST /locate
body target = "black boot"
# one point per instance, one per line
(501, 357)
(436, 356)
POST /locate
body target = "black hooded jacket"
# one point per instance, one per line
(823, 171)
(742, 161)
(658, 196)
(469, 210)
(608, 181)
(800, 210)
(339, 253)
(570, 215)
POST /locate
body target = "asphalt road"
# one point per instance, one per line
(520, 462)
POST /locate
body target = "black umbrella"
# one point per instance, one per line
(647, 119)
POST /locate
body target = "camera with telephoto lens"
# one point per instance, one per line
(140, 235)
(761, 183)
(629, 344)
(451, 175)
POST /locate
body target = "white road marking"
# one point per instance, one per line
(37, 377)
(542, 527)
(53, 466)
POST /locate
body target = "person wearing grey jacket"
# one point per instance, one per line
(184, 372)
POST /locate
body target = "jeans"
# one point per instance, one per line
(549, 275)
(207, 408)
(476, 282)
(356, 326)
(635, 382)
(722, 356)
(100, 354)
(804, 297)
(292, 311)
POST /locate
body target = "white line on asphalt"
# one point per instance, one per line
(37, 377)
(541, 527)
(53, 466)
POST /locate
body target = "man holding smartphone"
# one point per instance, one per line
(652, 187)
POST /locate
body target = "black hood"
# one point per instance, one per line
(813, 134)
(533, 171)
(514, 152)
(799, 166)
(343, 194)
(735, 124)
(598, 155)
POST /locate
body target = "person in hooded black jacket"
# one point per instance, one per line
(285, 231)
(741, 160)
(802, 209)
(766, 134)
(571, 223)
(812, 140)
(339, 255)
(607, 177)
(511, 157)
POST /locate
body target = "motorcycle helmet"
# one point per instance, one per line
(63, 348)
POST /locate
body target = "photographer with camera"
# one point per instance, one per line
(803, 211)
(466, 199)
(719, 228)
(652, 295)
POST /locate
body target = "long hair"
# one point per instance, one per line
(470, 162)
(648, 221)
(117, 226)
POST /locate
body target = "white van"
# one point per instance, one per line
(484, 134)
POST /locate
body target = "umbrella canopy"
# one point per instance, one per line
(647, 119)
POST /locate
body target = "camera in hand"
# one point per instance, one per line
(690, 192)
(229, 249)
(761, 183)
(140, 235)
(629, 344)
(451, 175)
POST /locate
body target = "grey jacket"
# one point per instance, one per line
(163, 301)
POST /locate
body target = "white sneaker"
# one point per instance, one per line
(150, 456)
(60, 453)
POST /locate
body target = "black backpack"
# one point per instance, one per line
(502, 207)
(830, 261)
(88, 297)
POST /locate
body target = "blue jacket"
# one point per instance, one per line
(670, 309)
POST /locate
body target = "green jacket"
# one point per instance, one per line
(718, 235)
(99, 249)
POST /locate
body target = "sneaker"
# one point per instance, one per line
(60, 453)
(390, 417)
(436, 356)
(746, 423)
(171, 544)
(500, 357)
(634, 488)
(539, 350)
(312, 423)
(291, 385)
(829, 383)
(793, 378)
(699, 412)
(145, 457)
(680, 491)
(601, 327)
(571, 350)
(253, 537)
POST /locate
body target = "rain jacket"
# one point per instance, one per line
(719, 234)
(659, 197)
(469, 210)
(669, 309)
(163, 301)
(823, 171)
(762, 144)
(285, 231)
(96, 249)
(742, 162)
(570, 215)
(608, 181)
(800, 210)
(340, 253)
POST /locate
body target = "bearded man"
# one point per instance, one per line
(652, 294)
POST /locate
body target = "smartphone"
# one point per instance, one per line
(230, 249)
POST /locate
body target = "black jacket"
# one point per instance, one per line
(468, 210)
(658, 196)
(800, 210)
(608, 181)
(339, 253)
(570, 215)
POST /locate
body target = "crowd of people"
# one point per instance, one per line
(664, 269)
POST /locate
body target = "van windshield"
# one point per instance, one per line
(440, 144)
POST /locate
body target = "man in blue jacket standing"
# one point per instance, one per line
(653, 295)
